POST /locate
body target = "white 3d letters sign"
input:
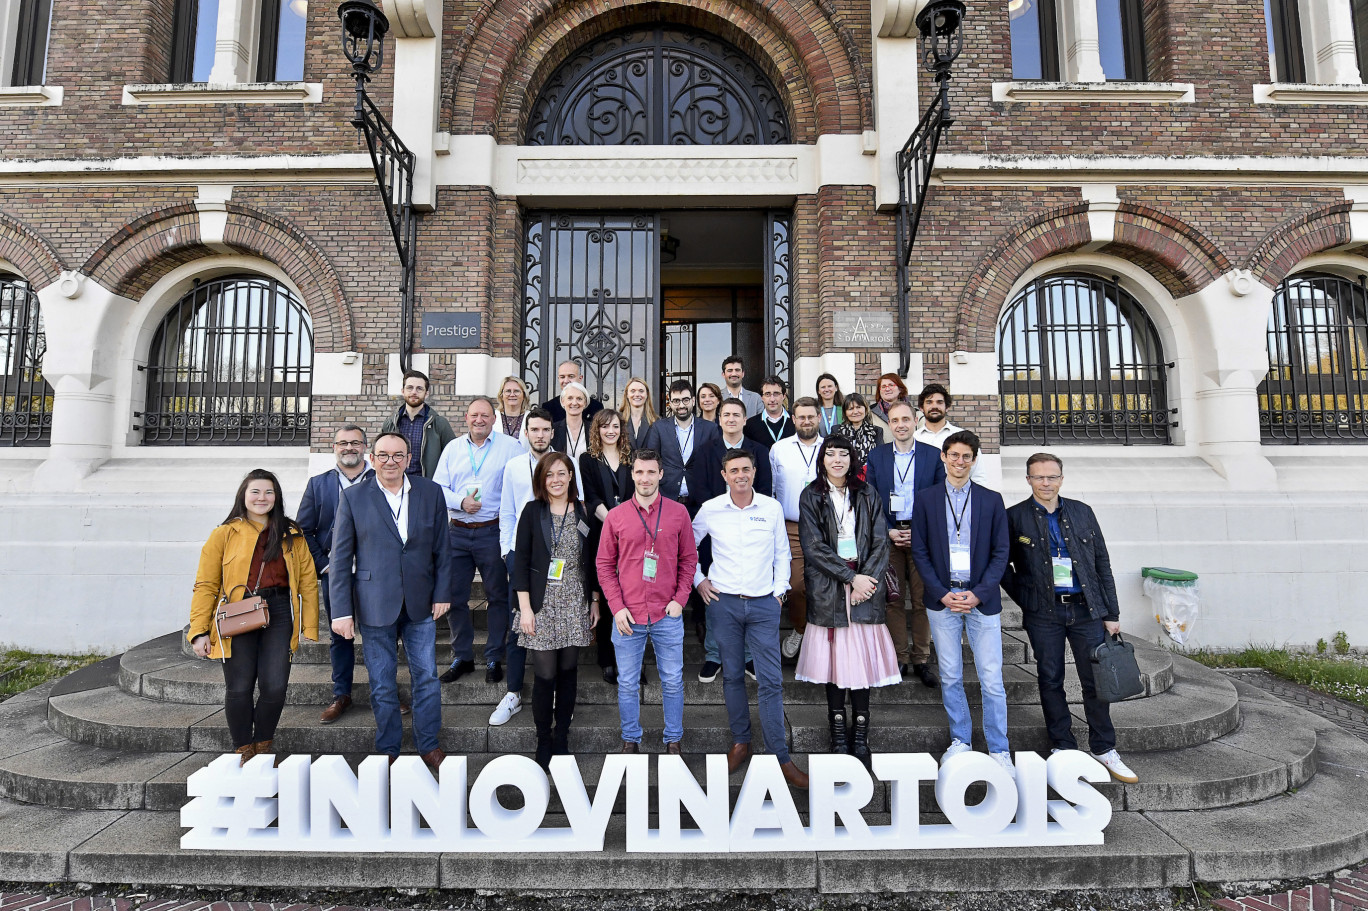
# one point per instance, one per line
(324, 806)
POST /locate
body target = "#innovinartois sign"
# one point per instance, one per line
(324, 806)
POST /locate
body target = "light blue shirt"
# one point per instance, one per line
(684, 437)
(465, 467)
(904, 480)
(958, 506)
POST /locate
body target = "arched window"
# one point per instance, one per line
(1080, 362)
(25, 397)
(658, 85)
(1316, 390)
(231, 365)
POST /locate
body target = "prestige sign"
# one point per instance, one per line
(451, 330)
(324, 806)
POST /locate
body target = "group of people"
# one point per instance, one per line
(590, 525)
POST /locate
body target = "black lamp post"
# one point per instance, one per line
(364, 27)
(940, 40)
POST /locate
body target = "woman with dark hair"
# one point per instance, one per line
(557, 605)
(606, 470)
(829, 402)
(845, 553)
(709, 400)
(891, 390)
(258, 550)
(858, 428)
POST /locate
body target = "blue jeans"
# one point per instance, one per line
(1083, 633)
(513, 651)
(667, 638)
(751, 623)
(341, 652)
(473, 548)
(711, 651)
(985, 641)
(380, 645)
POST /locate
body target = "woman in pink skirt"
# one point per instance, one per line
(845, 552)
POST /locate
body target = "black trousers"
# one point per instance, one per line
(259, 660)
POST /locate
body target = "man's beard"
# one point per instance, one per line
(809, 434)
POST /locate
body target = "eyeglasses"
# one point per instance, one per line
(1045, 477)
(959, 458)
(681, 401)
(386, 457)
(349, 444)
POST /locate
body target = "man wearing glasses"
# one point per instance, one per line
(1060, 574)
(682, 443)
(316, 513)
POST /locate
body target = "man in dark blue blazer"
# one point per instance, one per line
(393, 527)
(316, 512)
(683, 441)
(960, 546)
(897, 470)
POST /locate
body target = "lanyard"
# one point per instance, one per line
(470, 451)
(807, 460)
(911, 460)
(688, 440)
(570, 441)
(512, 425)
(396, 513)
(558, 530)
(842, 513)
(769, 426)
(649, 533)
(951, 503)
(1056, 535)
(828, 421)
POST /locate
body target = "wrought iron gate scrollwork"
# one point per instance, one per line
(779, 294)
(25, 396)
(658, 85)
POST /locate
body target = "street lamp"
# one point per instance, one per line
(940, 39)
(364, 27)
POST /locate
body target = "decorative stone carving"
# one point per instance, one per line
(1241, 282)
(779, 171)
(414, 18)
(897, 18)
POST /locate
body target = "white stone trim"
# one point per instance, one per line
(1100, 92)
(224, 93)
(1103, 205)
(1358, 215)
(477, 373)
(417, 90)
(1306, 93)
(978, 170)
(9, 38)
(896, 18)
(414, 18)
(973, 373)
(237, 34)
(212, 205)
(1079, 46)
(337, 373)
(164, 170)
(30, 96)
(840, 364)
(1328, 42)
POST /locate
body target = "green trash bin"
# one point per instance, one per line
(1176, 598)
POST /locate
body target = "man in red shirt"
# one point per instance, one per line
(646, 562)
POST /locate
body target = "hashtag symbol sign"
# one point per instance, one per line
(231, 807)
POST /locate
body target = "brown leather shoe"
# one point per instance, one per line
(673, 748)
(335, 709)
(795, 776)
(629, 747)
(433, 760)
(737, 756)
(246, 751)
(393, 760)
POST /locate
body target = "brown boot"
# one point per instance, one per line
(433, 759)
(795, 776)
(630, 747)
(266, 746)
(673, 748)
(737, 755)
(335, 709)
(246, 751)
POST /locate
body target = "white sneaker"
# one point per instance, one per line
(956, 747)
(793, 642)
(1004, 760)
(509, 705)
(1119, 770)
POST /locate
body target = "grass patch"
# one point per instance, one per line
(22, 670)
(1343, 678)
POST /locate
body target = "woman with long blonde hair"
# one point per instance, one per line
(637, 412)
(514, 402)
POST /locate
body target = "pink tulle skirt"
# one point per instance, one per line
(856, 657)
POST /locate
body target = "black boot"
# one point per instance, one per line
(838, 732)
(859, 740)
(543, 694)
(566, 683)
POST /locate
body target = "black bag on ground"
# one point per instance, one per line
(1115, 672)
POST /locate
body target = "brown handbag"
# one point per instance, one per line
(251, 613)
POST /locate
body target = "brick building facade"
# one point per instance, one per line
(1196, 190)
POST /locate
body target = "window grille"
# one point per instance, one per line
(25, 397)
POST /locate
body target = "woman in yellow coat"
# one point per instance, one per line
(257, 549)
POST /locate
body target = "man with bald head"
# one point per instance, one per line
(568, 372)
(470, 474)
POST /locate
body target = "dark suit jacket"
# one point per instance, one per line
(533, 544)
(390, 572)
(558, 410)
(757, 431)
(602, 487)
(712, 472)
(661, 437)
(988, 546)
(927, 471)
(560, 439)
(316, 513)
(636, 438)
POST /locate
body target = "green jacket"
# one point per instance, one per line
(436, 434)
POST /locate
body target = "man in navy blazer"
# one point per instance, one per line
(682, 441)
(316, 512)
(897, 470)
(960, 546)
(393, 529)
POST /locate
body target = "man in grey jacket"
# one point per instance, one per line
(427, 431)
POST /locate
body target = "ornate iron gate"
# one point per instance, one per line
(779, 295)
(25, 397)
(591, 294)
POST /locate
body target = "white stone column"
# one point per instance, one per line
(895, 79)
(1079, 47)
(235, 47)
(83, 321)
(1328, 42)
(417, 29)
(1229, 322)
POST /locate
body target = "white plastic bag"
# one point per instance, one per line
(1176, 606)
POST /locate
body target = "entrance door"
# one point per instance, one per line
(704, 325)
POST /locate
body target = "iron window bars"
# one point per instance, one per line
(25, 397)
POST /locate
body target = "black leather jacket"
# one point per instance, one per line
(1030, 576)
(825, 573)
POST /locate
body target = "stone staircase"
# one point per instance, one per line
(1234, 784)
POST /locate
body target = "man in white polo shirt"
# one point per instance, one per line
(793, 463)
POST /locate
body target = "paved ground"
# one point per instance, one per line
(1353, 718)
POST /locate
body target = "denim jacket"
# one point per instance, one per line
(1030, 575)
